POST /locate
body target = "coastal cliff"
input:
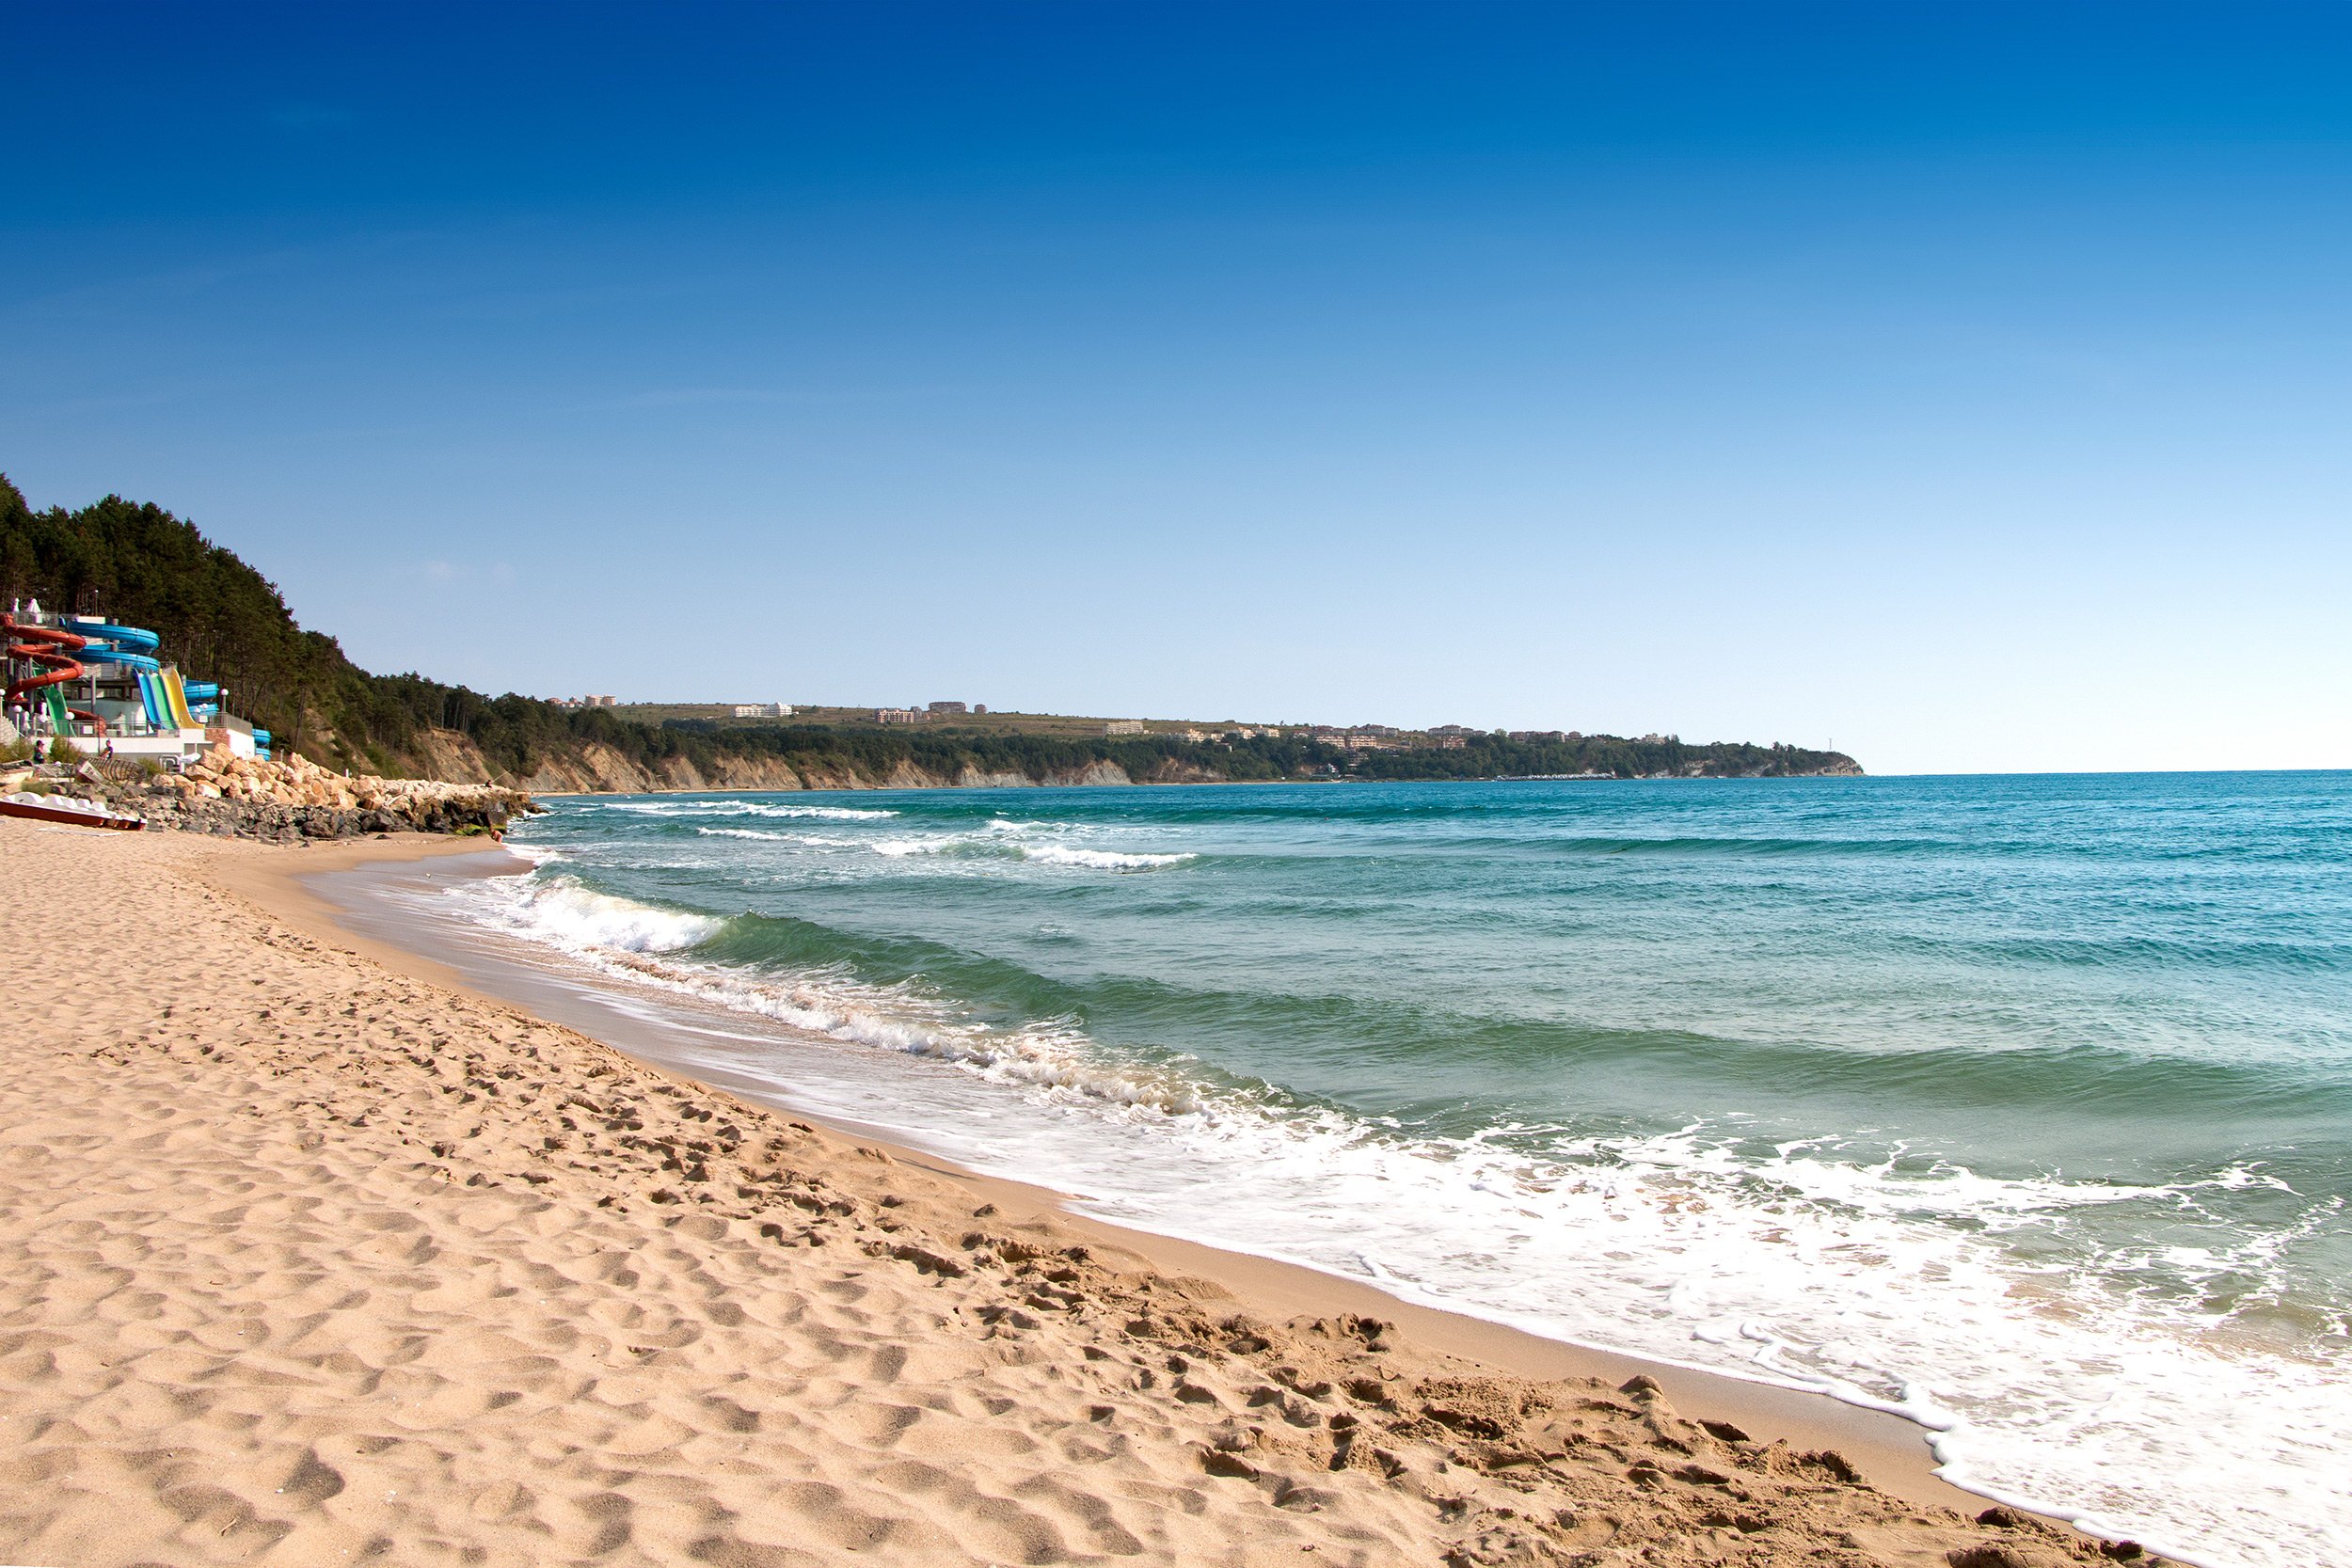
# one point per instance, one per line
(601, 769)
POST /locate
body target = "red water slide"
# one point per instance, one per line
(48, 646)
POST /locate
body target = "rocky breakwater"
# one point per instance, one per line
(297, 800)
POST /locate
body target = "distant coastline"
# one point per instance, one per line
(692, 755)
(223, 622)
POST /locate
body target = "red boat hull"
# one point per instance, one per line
(75, 818)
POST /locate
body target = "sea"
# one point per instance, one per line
(2021, 1106)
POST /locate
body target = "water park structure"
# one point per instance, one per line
(104, 686)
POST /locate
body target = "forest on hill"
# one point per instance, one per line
(221, 619)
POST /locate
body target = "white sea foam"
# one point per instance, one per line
(1884, 1282)
(617, 936)
(995, 845)
(2090, 1401)
(819, 839)
(1104, 860)
(561, 913)
(748, 808)
(826, 814)
(945, 844)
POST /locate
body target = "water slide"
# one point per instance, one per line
(135, 638)
(95, 654)
(107, 643)
(152, 698)
(175, 698)
(166, 698)
(66, 656)
(51, 649)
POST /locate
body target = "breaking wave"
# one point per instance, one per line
(1004, 840)
(745, 808)
(562, 912)
(773, 837)
(622, 938)
(1104, 860)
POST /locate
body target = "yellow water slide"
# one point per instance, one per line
(176, 695)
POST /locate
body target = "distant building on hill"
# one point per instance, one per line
(588, 701)
(979, 707)
(1123, 726)
(763, 710)
(897, 716)
(1370, 737)
(1456, 730)
(948, 708)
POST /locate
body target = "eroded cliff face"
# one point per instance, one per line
(454, 758)
(597, 770)
(1175, 771)
(735, 772)
(592, 770)
(972, 778)
(907, 776)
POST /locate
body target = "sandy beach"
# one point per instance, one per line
(314, 1256)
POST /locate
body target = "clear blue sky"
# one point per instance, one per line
(1970, 384)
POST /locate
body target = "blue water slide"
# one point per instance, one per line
(200, 690)
(98, 653)
(132, 639)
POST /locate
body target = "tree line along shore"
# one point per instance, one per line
(223, 621)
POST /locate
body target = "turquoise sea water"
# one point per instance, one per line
(2021, 1104)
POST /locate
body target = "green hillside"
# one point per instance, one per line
(222, 621)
